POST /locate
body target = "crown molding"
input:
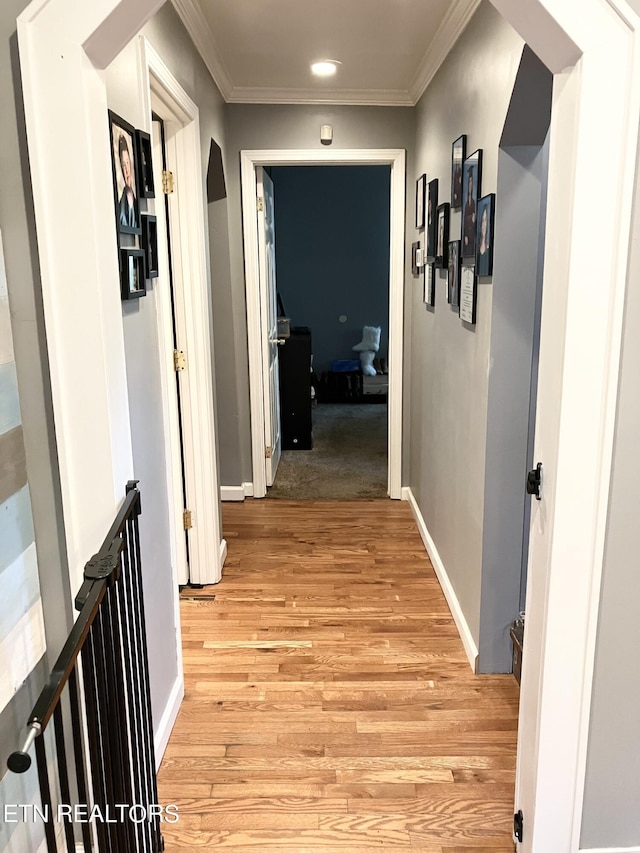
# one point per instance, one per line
(198, 28)
(354, 97)
(446, 36)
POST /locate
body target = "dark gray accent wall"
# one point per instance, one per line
(332, 254)
(251, 126)
(610, 816)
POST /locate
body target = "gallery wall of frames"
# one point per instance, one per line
(132, 185)
(464, 257)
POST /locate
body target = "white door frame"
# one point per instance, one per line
(592, 47)
(207, 549)
(395, 158)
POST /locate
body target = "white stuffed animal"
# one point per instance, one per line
(366, 363)
(370, 340)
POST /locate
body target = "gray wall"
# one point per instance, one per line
(287, 126)
(450, 363)
(168, 36)
(332, 254)
(610, 816)
(517, 288)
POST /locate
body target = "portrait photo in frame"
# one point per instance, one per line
(432, 208)
(453, 281)
(123, 163)
(471, 184)
(429, 284)
(485, 236)
(132, 274)
(149, 242)
(421, 188)
(442, 240)
(146, 188)
(468, 295)
(458, 155)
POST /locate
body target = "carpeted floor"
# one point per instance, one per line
(348, 460)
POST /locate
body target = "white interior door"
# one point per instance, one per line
(269, 322)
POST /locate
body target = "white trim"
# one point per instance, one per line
(223, 551)
(447, 587)
(610, 850)
(352, 97)
(248, 490)
(448, 33)
(168, 719)
(303, 157)
(198, 28)
(232, 493)
(191, 294)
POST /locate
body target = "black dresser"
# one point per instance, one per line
(295, 390)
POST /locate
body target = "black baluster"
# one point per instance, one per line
(78, 754)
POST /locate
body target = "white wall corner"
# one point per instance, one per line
(449, 593)
(198, 28)
(248, 490)
(167, 721)
(232, 493)
(449, 31)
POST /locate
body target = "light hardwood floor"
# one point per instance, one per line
(329, 703)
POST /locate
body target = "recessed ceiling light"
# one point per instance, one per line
(325, 67)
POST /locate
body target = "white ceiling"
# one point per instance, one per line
(259, 51)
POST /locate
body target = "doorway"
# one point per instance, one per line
(331, 251)
(260, 397)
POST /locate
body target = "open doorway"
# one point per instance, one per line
(332, 283)
(263, 347)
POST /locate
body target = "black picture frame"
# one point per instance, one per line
(485, 235)
(458, 156)
(132, 274)
(453, 281)
(146, 187)
(415, 267)
(421, 189)
(432, 207)
(429, 284)
(149, 243)
(468, 294)
(124, 170)
(442, 242)
(471, 191)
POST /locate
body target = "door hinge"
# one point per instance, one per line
(518, 825)
(167, 182)
(187, 521)
(267, 453)
(260, 204)
(179, 360)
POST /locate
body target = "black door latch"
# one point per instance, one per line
(534, 481)
(518, 825)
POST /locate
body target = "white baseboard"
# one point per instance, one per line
(223, 552)
(161, 738)
(609, 850)
(236, 493)
(449, 593)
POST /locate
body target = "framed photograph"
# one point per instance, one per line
(146, 188)
(415, 253)
(429, 284)
(421, 188)
(432, 207)
(132, 277)
(442, 242)
(484, 237)
(458, 156)
(468, 295)
(471, 182)
(453, 283)
(149, 241)
(123, 162)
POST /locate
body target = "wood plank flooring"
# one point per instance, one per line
(329, 704)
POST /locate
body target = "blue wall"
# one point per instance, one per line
(332, 253)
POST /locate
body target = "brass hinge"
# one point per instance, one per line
(187, 521)
(167, 182)
(179, 360)
(260, 204)
(267, 453)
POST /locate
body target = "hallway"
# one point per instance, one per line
(329, 703)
